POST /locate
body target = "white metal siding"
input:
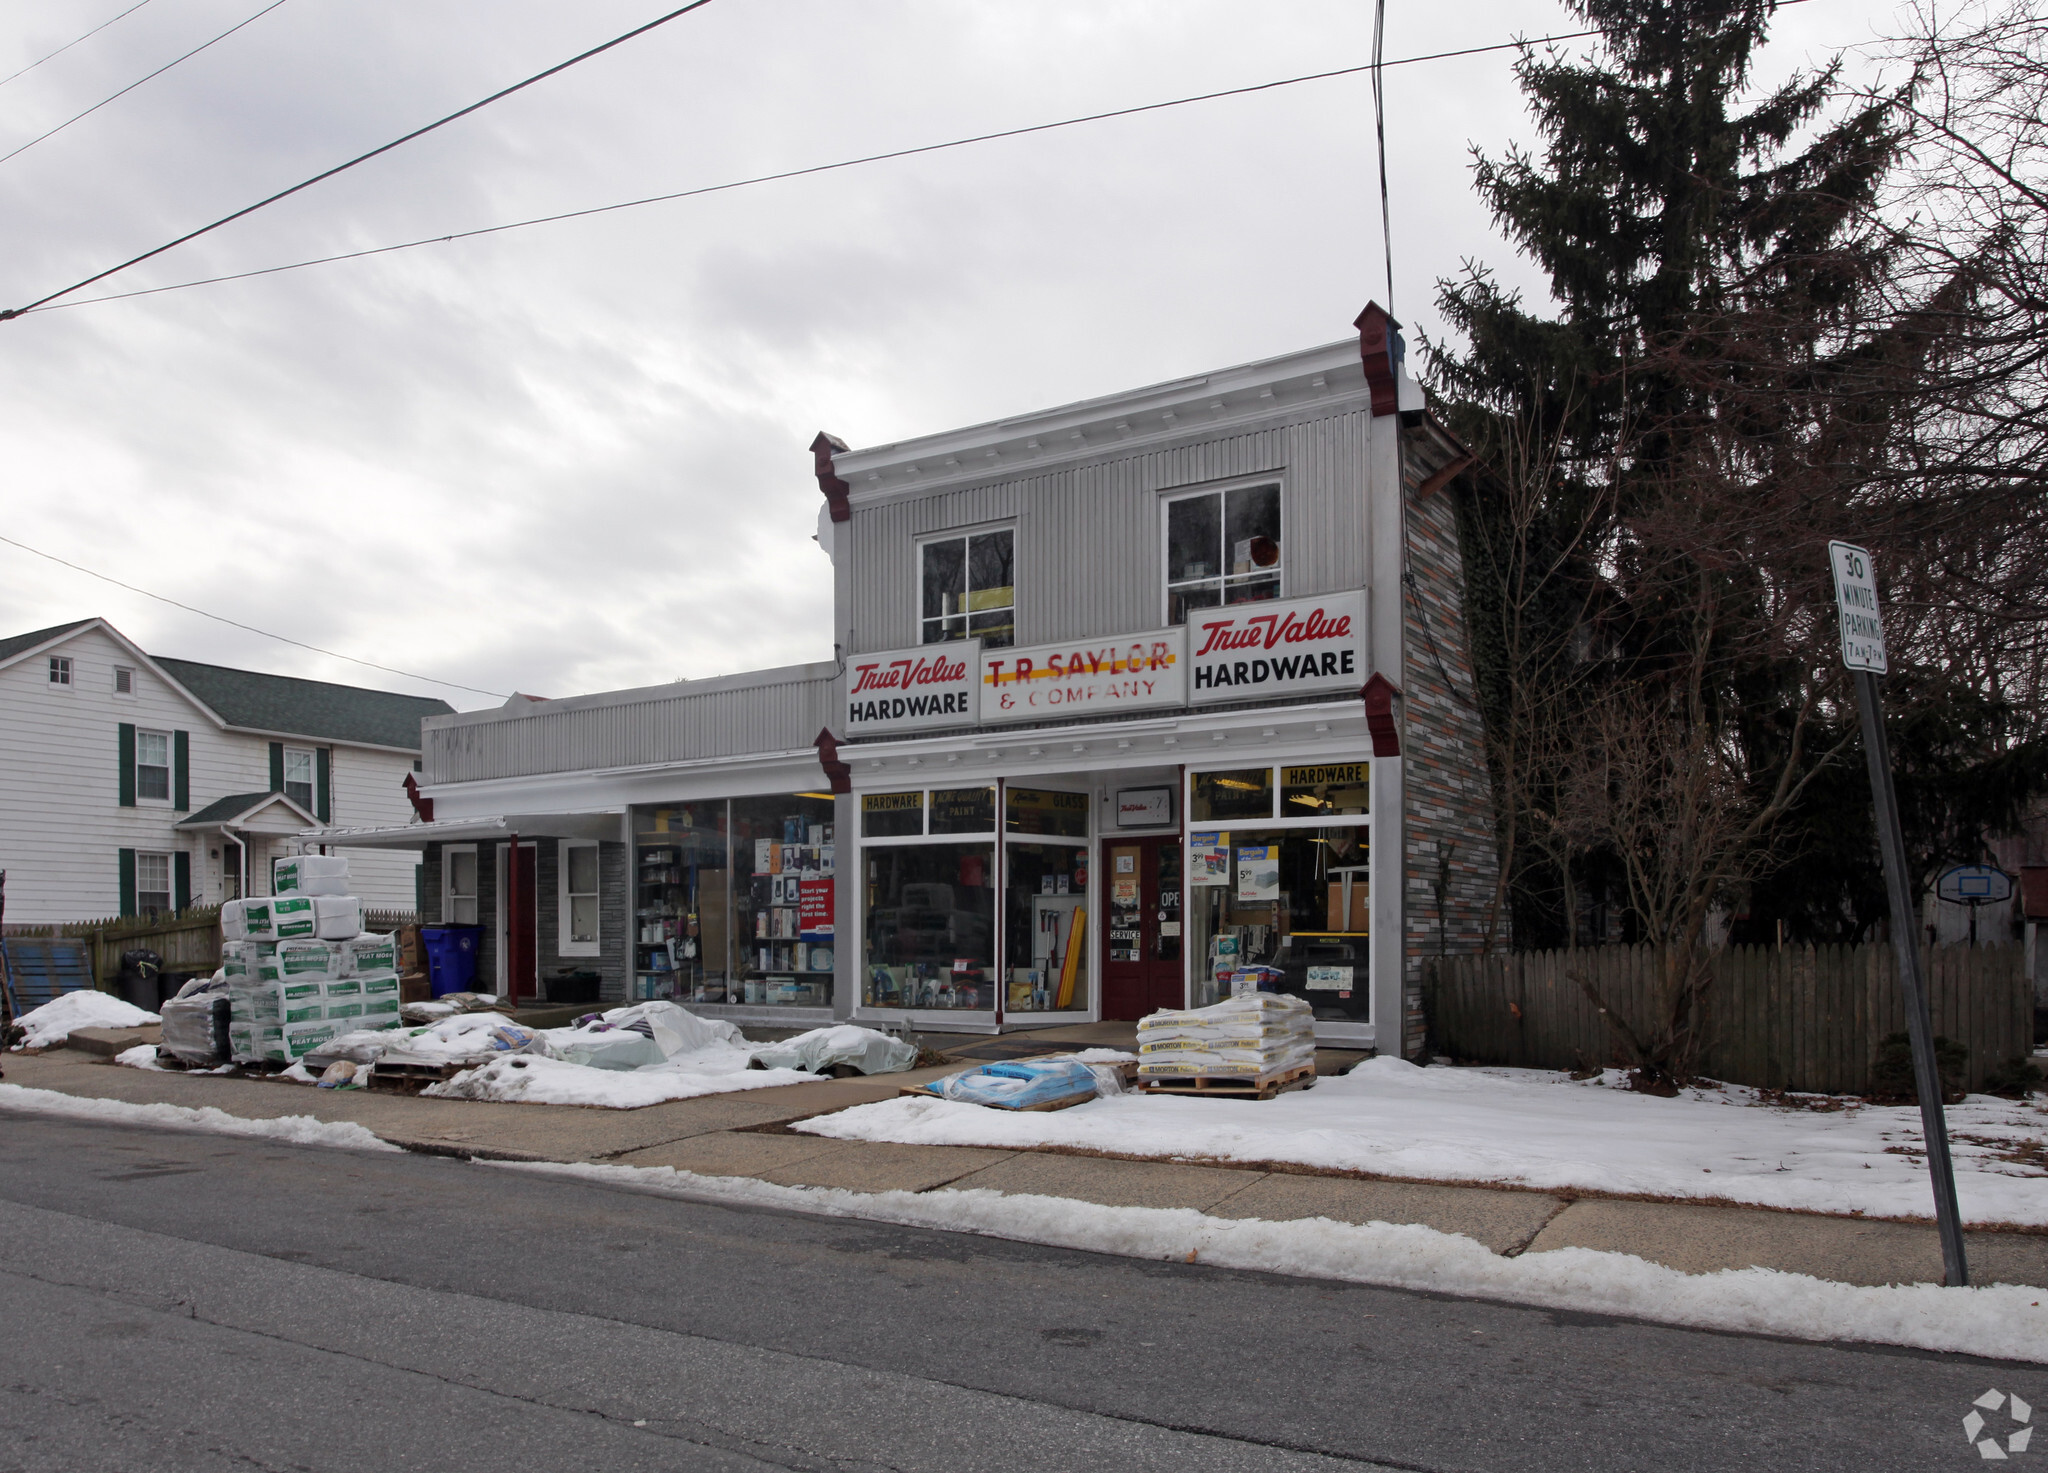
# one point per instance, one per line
(686, 726)
(1088, 536)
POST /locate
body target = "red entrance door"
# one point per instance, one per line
(1141, 968)
(521, 964)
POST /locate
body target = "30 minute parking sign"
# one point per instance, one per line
(1856, 596)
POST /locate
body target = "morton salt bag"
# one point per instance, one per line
(309, 874)
(368, 953)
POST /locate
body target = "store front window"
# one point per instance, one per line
(1280, 900)
(733, 901)
(928, 923)
(1045, 906)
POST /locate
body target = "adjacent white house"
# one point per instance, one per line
(132, 782)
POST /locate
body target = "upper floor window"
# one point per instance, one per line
(124, 681)
(1222, 547)
(60, 669)
(969, 588)
(298, 776)
(153, 766)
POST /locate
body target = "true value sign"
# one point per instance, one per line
(1257, 651)
(928, 689)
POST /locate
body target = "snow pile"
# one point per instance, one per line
(1533, 1128)
(297, 1130)
(142, 1056)
(2004, 1321)
(50, 1024)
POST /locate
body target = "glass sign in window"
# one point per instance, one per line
(969, 589)
(1246, 792)
(1222, 548)
(1040, 811)
(1326, 790)
(963, 810)
(891, 815)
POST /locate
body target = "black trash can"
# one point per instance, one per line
(141, 970)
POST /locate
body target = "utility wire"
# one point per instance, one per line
(71, 43)
(359, 158)
(49, 304)
(1379, 125)
(24, 148)
(251, 628)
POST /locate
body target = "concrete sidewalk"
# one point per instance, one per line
(746, 1135)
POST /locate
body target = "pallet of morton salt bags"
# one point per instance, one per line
(300, 968)
(1244, 1038)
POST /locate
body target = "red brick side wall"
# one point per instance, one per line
(1448, 795)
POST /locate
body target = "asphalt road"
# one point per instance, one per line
(175, 1301)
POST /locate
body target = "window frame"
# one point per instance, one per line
(964, 535)
(142, 906)
(449, 894)
(1277, 819)
(312, 784)
(170, 742)
(565, 898)
(926, 834)
(63, 673)
(1220, 490)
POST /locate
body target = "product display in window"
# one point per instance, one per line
(785, 903)
(929, 928)
(1282, 910)
(680, 906)
(1047, 936)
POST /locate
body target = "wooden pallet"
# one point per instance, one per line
(1231, 1086)
(405, 1073)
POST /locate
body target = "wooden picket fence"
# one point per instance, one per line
(1804, 1018)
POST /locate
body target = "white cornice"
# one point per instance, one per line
(1232, 398)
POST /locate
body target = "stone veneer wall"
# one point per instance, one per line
(1448, 814)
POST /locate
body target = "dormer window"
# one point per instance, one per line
(968, 588)
(1222, 547)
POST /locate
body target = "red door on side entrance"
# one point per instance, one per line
(521, 939)
(1141, 890)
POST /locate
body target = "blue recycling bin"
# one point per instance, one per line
(451, 957)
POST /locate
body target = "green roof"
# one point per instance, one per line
(307, 708)
(233, 806)
(14, 644)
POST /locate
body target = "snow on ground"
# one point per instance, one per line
(50, 1024)
(297, 1130)
(142, 1056)
(1533, 1128)
(534, 1080)
(2003, 1321)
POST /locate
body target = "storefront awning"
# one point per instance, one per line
(597, 824)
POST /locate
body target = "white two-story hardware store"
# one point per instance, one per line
(1138, 701)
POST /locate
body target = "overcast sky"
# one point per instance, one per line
(572, 458)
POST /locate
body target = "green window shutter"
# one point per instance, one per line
(128, 778)
(277, 767)
(181, 880)
(323, 781)
(128, 879)
(181, 771)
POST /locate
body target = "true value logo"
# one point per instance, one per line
(1988, 1446)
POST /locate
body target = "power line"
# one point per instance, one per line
(24, 148)
(73, 42)
(251, 628)
(49, 304)
(359, 158)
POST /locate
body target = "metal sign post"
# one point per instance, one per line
(1863, 652)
